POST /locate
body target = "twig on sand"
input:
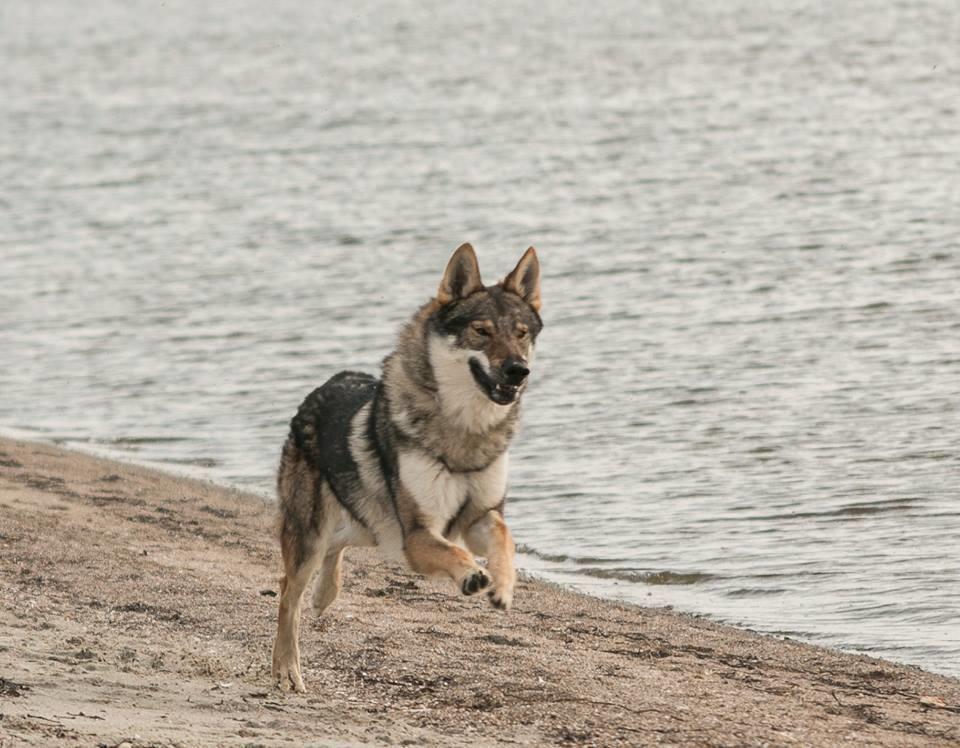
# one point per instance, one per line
(595, 701)
(46, 719)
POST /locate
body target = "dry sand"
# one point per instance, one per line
(139, 607)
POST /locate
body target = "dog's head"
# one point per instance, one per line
(486, 333)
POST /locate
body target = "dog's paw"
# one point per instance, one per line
(474, 582)
(286, 670)
(501, 599)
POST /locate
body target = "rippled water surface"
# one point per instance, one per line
(745, 398)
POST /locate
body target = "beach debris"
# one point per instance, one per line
(41, 717)
(9, 688)
(503, 640)
(158, 612)
(936, 702)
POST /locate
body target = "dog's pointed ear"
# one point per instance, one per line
(524, 279)
(462, 276)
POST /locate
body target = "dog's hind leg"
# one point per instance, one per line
(329, 580)
(304, 538)
(286, 648)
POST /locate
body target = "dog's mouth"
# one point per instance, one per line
(504, 394)
(499, 392)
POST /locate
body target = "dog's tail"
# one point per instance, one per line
(290, 459)
(298, 494)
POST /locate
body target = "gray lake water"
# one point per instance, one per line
(745, 400)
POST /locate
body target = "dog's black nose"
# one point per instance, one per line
(515, 372)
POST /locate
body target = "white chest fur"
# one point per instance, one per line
(440, 494)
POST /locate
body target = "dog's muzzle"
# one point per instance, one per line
(504, 388)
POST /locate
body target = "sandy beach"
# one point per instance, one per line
(139, 608)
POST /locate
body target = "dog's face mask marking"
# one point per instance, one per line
(491, 330)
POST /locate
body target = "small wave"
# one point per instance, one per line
(754, 592)
(637, 576)
(205, 462)
(136, 440)
(648, 577)
(874, 306)
(561, 557)
(850, 510)
(685, 403)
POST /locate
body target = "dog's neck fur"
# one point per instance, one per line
(436, 405)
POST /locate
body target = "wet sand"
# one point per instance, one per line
(139, 607)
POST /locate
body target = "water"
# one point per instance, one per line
(745, 399)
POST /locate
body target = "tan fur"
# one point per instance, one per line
(462, 276)
(329, 581)
(429, 553)
(299, 564)
(489, 536)
(524, 279)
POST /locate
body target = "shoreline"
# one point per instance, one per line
(140, 606)
(537, 565)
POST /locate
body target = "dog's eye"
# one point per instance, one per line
(481, 329)
(522, 333)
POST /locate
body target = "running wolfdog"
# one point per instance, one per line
(415, 462)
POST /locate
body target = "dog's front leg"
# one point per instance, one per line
(489, 536)
(428, 553)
